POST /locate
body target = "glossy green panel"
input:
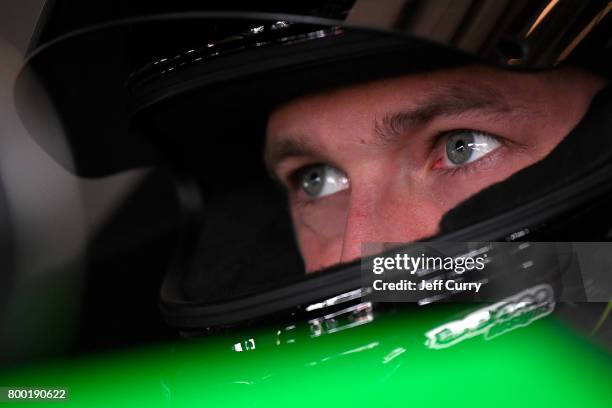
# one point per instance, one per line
(386, 361)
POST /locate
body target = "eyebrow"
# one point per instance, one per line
(293, 146)
(452, 99)
(449, 100)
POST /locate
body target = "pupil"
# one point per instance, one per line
(312, 182)
(458, 148)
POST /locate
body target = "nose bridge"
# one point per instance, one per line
(364, 219)
(382, 214)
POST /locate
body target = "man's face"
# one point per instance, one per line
(383, 161)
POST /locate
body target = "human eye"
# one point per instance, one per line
(320, 180)
(462, 147)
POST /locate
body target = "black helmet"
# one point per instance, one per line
(186, 87)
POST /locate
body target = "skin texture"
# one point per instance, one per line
(389, 138)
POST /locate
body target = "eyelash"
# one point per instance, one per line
(432, 143)
(435, 142)
(465, 169)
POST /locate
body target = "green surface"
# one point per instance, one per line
(384, 362)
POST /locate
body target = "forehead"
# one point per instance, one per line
(362, 101)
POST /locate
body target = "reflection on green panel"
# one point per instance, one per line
(385, 360)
